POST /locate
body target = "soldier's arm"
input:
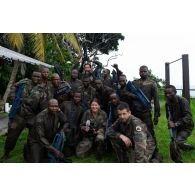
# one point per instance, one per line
(113, 131)
(103, 125)
(83, 121)
(119, 72)
(187, 115)
(140, 143)
(64, 123)
(156, 100)
(40, 131)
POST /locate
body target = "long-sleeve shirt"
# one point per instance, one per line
(181, 113)
(137, 132)
(98, 122)
(46, 126)
(149, 88)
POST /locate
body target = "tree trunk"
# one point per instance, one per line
(11, 80)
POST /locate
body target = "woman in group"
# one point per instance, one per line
(93, 126)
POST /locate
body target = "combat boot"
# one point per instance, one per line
(186, 147)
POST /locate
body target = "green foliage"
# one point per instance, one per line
(160, 82)
(103, 42)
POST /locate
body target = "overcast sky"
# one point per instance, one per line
(154, 50)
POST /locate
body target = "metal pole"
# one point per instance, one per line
(167, 74)
(186, 83)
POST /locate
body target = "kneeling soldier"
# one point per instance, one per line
(129, 132)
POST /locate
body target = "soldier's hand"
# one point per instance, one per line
(85, 128)
(115, 66)
(58, 154)
(171, 124)
(126, 140)
(131, 95)
(155, 120)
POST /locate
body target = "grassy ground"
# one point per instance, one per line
(162, 135)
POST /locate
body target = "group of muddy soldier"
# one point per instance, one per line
(94, 113)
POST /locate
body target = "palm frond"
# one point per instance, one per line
(39, 46)
(62, 59)
(16, 40)
(72, 39)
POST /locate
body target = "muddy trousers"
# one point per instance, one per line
(15, 127)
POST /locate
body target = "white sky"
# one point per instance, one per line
(154, 50)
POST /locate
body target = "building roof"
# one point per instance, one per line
(9, 54)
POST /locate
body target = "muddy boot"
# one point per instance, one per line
(157, 157)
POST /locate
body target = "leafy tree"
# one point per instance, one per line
(160, 82)
(94, 44)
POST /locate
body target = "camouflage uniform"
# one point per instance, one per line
(75, 84)
(99, 124)
(42, 135)
(90, 75)
(182, 117)
(142, 142)
(31, 106)
(73, 114)
(46, 85)
(108, 82)
(59, 93)
(87, 94)
(149, 88)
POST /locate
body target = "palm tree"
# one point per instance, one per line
(16, 42)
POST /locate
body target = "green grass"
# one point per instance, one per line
(162, 135)
(3, 114)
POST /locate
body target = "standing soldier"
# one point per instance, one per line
(32, 103)
(130, 132)
(93, 125)
(87, 71)
(113, 104)
(59, 90)
(149, 88)
(102, 94)
(73, 112)
(44, 76)
(106, 78)
(87, 93)
(123, 93)
(180, 119)
(74, 82)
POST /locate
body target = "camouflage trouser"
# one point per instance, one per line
(72, 137)
(15, 128)
(86, 144)
(122, 152)
(147, 119)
